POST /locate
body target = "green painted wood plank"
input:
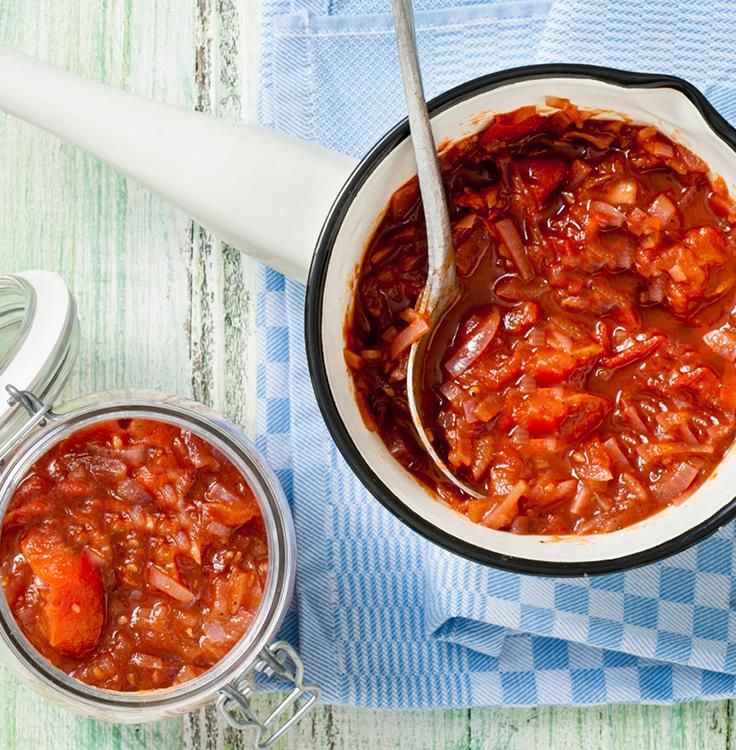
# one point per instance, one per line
(123, 252)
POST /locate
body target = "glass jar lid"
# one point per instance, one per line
(39, 340)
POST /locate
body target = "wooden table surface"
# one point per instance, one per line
(163, 305)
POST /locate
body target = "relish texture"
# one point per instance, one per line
(585, 378)
(133, 555)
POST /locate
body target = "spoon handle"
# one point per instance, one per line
(441, 271)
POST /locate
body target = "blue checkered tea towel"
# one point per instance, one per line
(384, 618)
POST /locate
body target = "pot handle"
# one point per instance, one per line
(234, 702)
(261, 191)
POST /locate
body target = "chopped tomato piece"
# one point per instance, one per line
(548, 489)
(484, 452)
(723, 342)
(541, 176)
(692, 162)
(594, 462)
(578, 172)
(151, 432)
(549, 366)
(541, 413)
(521, 318)
(405, 199)
(352, 359)
(486, 408)
(509, 128)
(728, 389)
(470, 249)
(547, 412)
(696, 266)
(585, 412)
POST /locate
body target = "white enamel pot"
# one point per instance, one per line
(238, 181)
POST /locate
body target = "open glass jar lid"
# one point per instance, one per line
(38, 345)
(39, 341)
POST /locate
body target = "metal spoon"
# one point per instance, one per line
(441, 289)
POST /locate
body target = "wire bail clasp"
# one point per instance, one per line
(38, 413)
(234, 703)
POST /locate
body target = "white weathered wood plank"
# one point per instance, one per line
(223, 283)
(690, 726)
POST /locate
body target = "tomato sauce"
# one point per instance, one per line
(585, 377)
(133, 555)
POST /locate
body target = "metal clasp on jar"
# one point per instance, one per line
(38, 414)
(234, 703)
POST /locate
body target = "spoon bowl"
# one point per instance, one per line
(441, 289)
(414, 387)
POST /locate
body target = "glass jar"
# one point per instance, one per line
(38, 343)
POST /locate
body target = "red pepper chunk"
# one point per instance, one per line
(510, 127)
(74, 612)
(632, 353)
